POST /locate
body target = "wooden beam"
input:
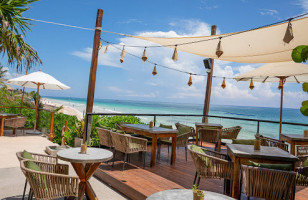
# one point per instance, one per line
(92, 76)
(208, 89)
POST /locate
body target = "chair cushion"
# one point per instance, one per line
(197, 149)
(305, 164)
(183, 129)
(33, 166)
(165, 126)
(285, 167)
(242, 141)
(27, 155)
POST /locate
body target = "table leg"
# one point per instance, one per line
(236, 179)
(85, 173)
(1, 126)
(173, 150)
(197, 134)
(219, 140)
(153, 151)
(292, 147)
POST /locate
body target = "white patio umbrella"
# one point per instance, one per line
(38, 80)
(277, 72)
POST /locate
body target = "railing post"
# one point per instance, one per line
(154, 120)
(52, 119)
(258, 127)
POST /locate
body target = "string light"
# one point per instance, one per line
(223, 85)
(144, 55)
(154, 70)
(219, 51)
(251, 86)
(106, 50)
(100, 46)
(175, 54)
(122, 55)
(289, 33)
(189, 81)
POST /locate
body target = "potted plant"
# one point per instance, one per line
(195, 192)
(79, 126)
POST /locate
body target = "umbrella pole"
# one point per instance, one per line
(281, 104)
(36, 111)
(23, 94)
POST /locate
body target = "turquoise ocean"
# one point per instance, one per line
(249, 129)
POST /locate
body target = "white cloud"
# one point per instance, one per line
(130, 93)
(270, 12)
(184, 92)
(129, 21)
(303, 4)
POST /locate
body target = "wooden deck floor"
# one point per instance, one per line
(146, 181)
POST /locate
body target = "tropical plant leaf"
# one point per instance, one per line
(305, 103)
(297, 53)
(304, 110)
(305, 54)
(305, 87)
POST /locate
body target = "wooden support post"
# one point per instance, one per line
(208, 89)
(52, 119)
(92, 76)
(65, 125)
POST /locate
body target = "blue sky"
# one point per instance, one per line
(66, 52)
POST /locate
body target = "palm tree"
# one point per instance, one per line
(2, 75)
(13, 28)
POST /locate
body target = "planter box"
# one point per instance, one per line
(52, 150)
(78, 142)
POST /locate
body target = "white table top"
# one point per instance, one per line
(93, 155)
(185, 194)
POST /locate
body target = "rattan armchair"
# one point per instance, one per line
(104, 137)
(17, 122)
(230, 133)
(266, 141)
(302, 171)
(211, 164)
(269, 184)
(128, 144)
(50, 183)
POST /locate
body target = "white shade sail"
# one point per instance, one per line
(45, 81)
(263, 45)
(294, 72)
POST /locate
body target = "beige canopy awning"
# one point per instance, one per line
(264, 45)
(272, 72)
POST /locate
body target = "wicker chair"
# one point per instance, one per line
(192, 132)
(39, 158)
(211, 164)
(230, 133)
(181, 141)
(266, 141)
(267, 183)
(15, 123)
(128, 144)
(104, 137)
(302, 171)
(52, 182)
(208, 135)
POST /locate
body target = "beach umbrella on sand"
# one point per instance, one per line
(277, 72)
(38, 80)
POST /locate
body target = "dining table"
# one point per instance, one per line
(242, 155)
(4, 116)
(85, 165)
(155, 133)
(209, 125)
(185, 194)
(293, 140)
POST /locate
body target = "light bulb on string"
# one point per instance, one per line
(106, 50)
(189, 81)
(289, 33)
(175, 54)
(219, 51)
(122, 55)
(144, 55)
(154, 70)
(223, 84)
(100, 46)
(251, 86)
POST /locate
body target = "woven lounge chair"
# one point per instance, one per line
(181, 139)
(269, 184)
(266, 141)
(302, 168)
(39, 158)
(17, 122)
(104, 137)
(211, 164)
(128, 144)
(230, 133)
(51, 182)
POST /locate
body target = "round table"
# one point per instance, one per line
(185, 194)
(85, 165)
